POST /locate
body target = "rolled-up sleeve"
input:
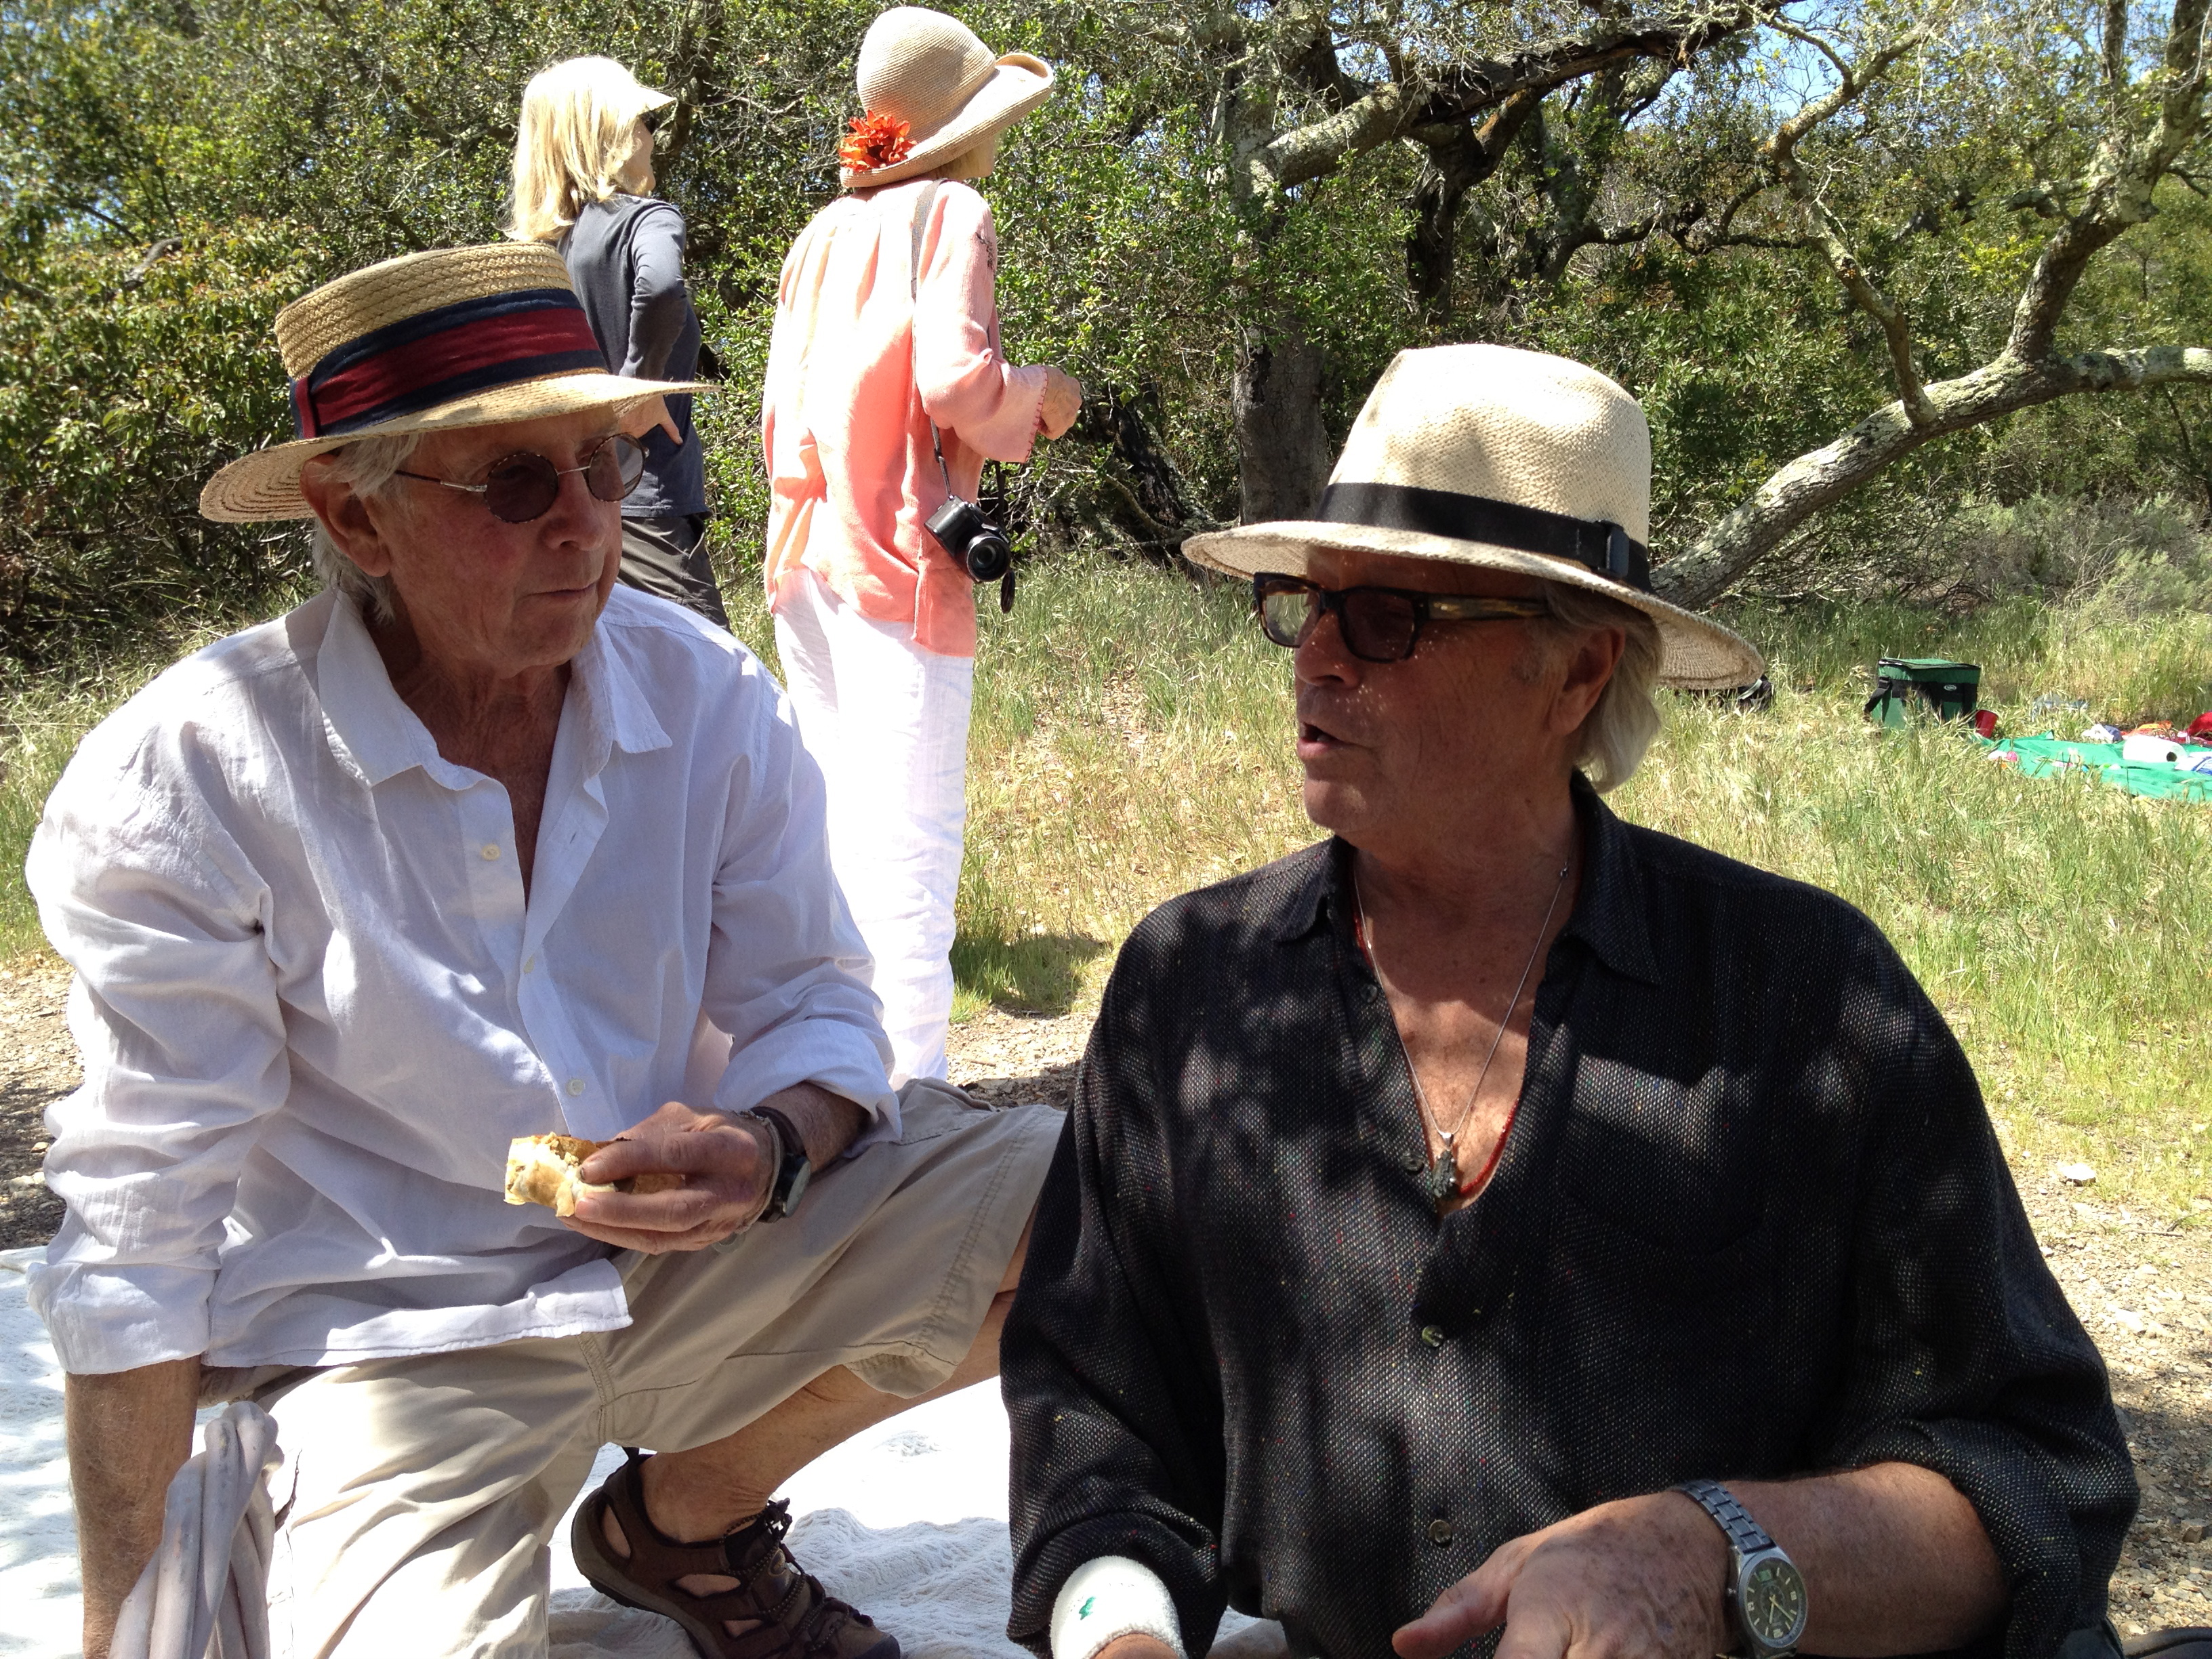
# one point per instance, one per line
(967, 385)
(1967, 1358)
(1113, 1393)
(144, 891)
(787, 972)
(659, 304)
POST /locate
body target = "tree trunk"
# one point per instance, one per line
(1725, 553)
(1283, 450)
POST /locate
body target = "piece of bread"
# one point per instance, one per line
(542, 1170)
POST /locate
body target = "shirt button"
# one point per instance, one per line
(575, 1086)
(491, 849)
(1433, 1336)
(530, 964)
(1440, 1532)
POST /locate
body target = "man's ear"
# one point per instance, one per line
(1590, 663)
(345, 516)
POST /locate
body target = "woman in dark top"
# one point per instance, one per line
(583, 182)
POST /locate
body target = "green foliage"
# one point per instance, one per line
(121, 381)
(171, 171)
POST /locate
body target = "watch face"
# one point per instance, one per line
(799, 1177)
(1773, 1601)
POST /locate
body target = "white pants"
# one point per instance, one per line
(887, 722)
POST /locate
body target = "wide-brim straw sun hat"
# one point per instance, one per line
(1504, 459)
(930, 74)
(462, 337)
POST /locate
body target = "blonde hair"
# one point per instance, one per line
(571, 143)
(1621, 727)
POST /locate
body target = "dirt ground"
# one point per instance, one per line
(2143, 1288)
(37, 1064)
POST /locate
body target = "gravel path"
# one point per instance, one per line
(2143, 1288)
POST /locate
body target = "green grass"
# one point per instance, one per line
(1132, 740)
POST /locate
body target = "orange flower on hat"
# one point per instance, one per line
(875, 141)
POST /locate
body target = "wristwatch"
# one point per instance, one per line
(1765, 1591)
(794, 1168)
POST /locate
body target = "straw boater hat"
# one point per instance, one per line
(1511, 460)
(463, 337)
(932, 92)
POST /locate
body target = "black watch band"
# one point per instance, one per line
(794, 1168)
(1730, 1516)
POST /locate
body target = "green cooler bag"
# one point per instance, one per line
(1948, 690)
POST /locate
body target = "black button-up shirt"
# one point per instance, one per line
(1750, 1222)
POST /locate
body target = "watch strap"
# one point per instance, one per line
(792, 1166)
(793, 1141)
(1747, 1536)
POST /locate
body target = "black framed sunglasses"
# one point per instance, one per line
(520, 487)
(1379, 624)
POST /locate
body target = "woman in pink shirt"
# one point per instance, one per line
(874, 620)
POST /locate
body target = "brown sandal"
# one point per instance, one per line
(798, 1618)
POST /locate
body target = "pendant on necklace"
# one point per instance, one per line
(1444, 1175)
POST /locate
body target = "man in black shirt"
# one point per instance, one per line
(1501, 1215)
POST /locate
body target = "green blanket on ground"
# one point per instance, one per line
(2041, 756)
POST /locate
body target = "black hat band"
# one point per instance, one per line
(1597, 545)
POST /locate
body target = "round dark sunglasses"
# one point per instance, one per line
(520, 487)
(1379, 624)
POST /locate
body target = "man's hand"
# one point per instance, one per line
(1063, 401)
(726, 1174)
(725, 1164)
(1136, 1647)
(646, 413)
(1638, 1579)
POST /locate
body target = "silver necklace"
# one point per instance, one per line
(1443, 1182)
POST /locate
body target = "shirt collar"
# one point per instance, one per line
(384, 736)
(368, 723)
(621, 715)
(1609, 916)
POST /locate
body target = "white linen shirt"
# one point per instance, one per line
(314, 1006)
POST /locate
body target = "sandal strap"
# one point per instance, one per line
(795, 1613)
(654, 1557)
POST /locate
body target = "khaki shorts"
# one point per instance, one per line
(417, 1495)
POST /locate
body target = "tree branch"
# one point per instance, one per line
(1700, 574)
(1457, 93)
(1827, 235)
(2120, 181)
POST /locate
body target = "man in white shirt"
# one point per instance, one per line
(477, 846)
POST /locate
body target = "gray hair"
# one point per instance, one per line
(1626, 719)
(369, 465)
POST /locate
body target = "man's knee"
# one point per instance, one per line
(838, 1386)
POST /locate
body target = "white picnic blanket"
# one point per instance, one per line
(907, 1522)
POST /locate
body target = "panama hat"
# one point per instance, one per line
(932, 92)
(1509, 460)
(463, 337)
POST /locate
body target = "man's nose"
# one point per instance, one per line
(576, 515)
(1321, 658)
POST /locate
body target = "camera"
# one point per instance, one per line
(962, 530)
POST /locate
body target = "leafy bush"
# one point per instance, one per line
(2135, 558)
(125, 379)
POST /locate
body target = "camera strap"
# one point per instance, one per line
(927, 200)
(923, 202)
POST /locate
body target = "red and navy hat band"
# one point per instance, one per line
(438, 355)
